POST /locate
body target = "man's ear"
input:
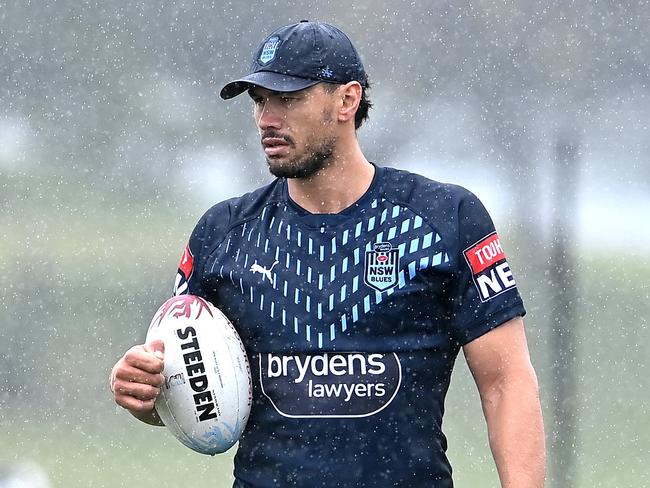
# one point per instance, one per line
(350, 94)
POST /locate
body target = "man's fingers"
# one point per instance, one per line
(139, 358)
(135, 404)
(135, 396)
(131, 374)
(136, 390)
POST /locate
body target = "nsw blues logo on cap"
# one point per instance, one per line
(269, 49)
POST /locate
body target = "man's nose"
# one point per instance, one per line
(267, 117)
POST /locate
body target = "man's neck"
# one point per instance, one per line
(336, 187)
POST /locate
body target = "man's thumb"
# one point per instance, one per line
(157, 347)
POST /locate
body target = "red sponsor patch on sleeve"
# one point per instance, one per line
(187, 262)
(485, 253)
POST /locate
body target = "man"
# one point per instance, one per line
(353, 288)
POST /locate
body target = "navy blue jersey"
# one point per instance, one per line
(352, 323)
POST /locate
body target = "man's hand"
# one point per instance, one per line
(136, 380)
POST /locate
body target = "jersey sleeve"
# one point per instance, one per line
(188, 277)
(486, 294)
(210, 230)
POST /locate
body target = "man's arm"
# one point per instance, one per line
(500, 363)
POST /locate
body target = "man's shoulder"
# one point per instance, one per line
(420, 192)
(244, 207)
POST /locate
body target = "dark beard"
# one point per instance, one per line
(307, 166)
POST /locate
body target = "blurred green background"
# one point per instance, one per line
(113, 143)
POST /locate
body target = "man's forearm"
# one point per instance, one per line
(150, 418)
(515, 427)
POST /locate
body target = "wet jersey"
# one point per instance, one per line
(352, 323)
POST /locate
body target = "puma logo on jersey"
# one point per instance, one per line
(266, 273)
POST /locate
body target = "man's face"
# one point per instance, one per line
(297, 129)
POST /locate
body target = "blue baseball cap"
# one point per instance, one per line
(297, 56)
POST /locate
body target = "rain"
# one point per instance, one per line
(114, 141)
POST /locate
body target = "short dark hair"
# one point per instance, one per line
(364, 105)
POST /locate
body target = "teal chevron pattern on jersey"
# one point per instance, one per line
(311, 278)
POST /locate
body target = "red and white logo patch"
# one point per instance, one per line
(185, 268)
(187, 262)
(490, 270)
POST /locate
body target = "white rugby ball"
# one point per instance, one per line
(206, 399)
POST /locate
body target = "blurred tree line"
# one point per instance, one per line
(121, 90)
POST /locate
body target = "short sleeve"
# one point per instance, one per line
(188, 277)
(485, 293)
(209, 231)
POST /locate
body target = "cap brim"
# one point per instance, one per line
(268, 80)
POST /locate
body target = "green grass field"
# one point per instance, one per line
(118, 453)
(78, 452)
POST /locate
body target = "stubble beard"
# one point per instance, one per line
(313, 161)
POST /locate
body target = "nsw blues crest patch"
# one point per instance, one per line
(381, 267)
(269, 49)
